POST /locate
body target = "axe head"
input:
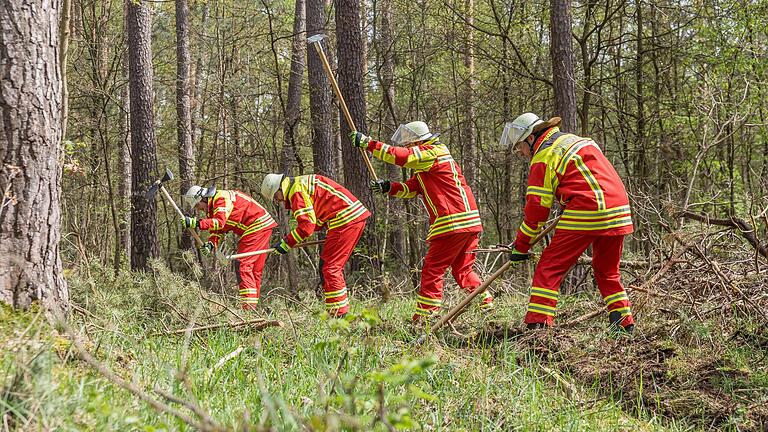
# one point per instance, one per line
(168, 176)
(316, 38)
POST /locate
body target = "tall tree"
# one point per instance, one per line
(143, 146)
(183, 112)
(561, 53)
(323, 147)
(30, 147)
(469, 144)
(349, 49)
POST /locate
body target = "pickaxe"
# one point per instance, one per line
(158, 185)
(315, 40)
(460, 307)
(265, 251)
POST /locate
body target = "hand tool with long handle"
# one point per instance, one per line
(315, 40)
(158, 185)
(265, 251)
(459, 307)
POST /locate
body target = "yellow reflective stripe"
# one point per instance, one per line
(429, 301)
(546, 293)
(591, 180)
(258, 225)
(454, 226)
(454, 217)
(598, 225)
(384, 154)
(542, 309)
(457, 180)
(249, 300)
(424, 160)
(594, 214)
(406, 192)
(296, 237)
(425, 195)
(527, 230)
(619, 296)
(337, 293)
(337, 305)
(249, 291)
(302, 211)
(576, 145)
(333, 191)
(339, 221)
(625, 311)
(539, 191)
(425, 312)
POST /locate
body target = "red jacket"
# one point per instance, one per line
(318, 201)
(232, 210)
(575, 171)
(438, 179)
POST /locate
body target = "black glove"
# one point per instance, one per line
(189, 222)
(280, 248)
(359, 140)
(206, 249)
(516, 255)
(380, 186)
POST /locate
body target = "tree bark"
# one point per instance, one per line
(293, 116)
(183, 110)
(143, 146)
(323, 153)
(30, 147)
(469, 156)
(349, 48)
(561, 52)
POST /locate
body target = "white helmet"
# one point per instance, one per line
(411, 132)
(519, 129)
(195, 193)
(270, 185)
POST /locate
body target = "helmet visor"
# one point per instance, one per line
(512, 134)
(405, 135)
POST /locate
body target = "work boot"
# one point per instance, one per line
(614, 323)
(535, 326)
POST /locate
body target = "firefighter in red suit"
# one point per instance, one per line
(315, 202)
(232, 210)
(454, 220)
(573, 171)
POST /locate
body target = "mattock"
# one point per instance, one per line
(158, 185)
(315, 40)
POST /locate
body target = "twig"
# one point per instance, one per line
(219, 364)
(567, 386)
(129, 386)
(745, 229)
(260, 323)
(383, 410)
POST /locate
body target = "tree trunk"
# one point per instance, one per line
(64, 56)
(323, 152)
(143, 147)
(349, 48)
(561, 52)
(30, 147)
(124, 155)
(469, 146)
(183, 113)
(292, 118)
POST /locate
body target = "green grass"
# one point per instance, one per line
(313, 372)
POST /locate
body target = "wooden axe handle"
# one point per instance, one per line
(178, 210)
(459, 307)
(263, 251)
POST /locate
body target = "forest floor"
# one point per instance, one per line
(698, 364)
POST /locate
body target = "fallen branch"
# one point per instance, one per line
(219, 364)
(746, 230)
(206, 426)
(258, 324)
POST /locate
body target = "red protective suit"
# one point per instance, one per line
(317, 201)
(596, 212)
(454, 220)
(232, 210)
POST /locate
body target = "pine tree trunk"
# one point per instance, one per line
(320, 100)
(143, 147)
(30, 147)
(561, 52)
(183, 113)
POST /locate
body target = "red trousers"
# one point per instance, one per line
(450, 250)
(250, 268)
(338, 247)
(560, 256)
